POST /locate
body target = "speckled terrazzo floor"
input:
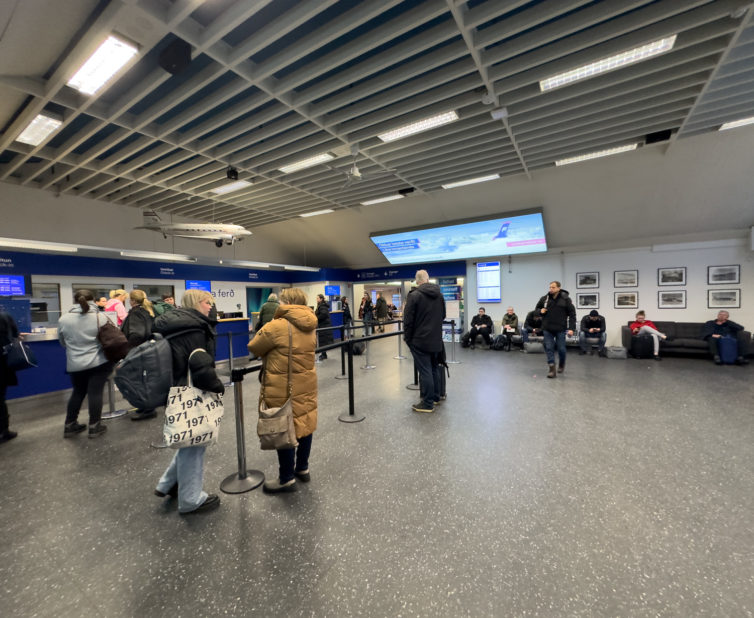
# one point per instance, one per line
(624, 488)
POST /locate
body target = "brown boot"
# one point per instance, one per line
(551, 373)
(561, 367)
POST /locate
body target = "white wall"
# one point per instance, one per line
(528, 277)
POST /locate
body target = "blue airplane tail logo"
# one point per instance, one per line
(503, 231)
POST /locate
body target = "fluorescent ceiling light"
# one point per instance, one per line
(596, 155)
(418, 127)
(231, 186)
(37, 244)
(737, 123)
(245, 263)
(309, 269)
(470, 181)
(304, 163)
(317, 212)
(109, 58)
(153, 255)
(610, 63)
(379, 200)
(39, 129)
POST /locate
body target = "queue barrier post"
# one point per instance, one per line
(400, 354)
(350, 416)
(415, 386)
(343, 375)
(244, 480)
(453, 360)
(112, 412)
(368, 364)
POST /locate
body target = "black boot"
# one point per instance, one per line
(551, 373)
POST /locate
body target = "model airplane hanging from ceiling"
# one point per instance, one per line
(219, 232)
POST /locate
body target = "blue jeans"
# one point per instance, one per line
(550, 340)
(186, 469)
(429, 376)
(583, 336)
(292, 460)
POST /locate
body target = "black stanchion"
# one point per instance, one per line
(415, 386)
(244, 480)
(111, 411)
(343, 375)
(350, 417)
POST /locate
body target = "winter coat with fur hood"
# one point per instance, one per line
(271, 343)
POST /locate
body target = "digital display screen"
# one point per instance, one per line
(12, 285)
(477, 239)
(198, 285)
(332, 290)
(488, 282)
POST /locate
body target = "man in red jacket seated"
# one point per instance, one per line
(642, 326)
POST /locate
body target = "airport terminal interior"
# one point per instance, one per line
(243, 147)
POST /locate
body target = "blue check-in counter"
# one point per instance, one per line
(50, 375)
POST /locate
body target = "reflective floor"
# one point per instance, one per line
(622, 488)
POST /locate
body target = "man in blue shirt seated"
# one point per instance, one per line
(592, 327)
(714, 330)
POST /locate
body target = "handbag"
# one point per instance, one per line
(19, 356)
(192, 416)
(275, 426)
(113, 341)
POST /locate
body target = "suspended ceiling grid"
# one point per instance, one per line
(272, 82)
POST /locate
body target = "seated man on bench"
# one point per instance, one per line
(532, 326)
(481, 324)
(592, 327)
(714, 330)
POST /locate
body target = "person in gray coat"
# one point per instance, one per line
(85, 363)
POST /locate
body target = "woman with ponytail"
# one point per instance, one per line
(137, 327)
(85, 363)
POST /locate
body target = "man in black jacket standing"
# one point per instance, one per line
(558, 315)
(422, 330)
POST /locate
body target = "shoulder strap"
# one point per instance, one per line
(183, 332)
(188, 363)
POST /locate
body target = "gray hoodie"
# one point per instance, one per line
(77, 333)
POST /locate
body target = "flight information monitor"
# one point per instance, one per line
(12, 285)
(511, 235)
(488, 282)
(199, 285)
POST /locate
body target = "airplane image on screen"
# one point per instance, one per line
(503, 231)
(219, 232)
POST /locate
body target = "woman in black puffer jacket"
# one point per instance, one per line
(185, 474)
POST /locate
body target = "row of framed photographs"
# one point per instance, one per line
(728, 274)
(666, 299)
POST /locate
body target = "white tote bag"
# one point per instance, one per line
(192, 416)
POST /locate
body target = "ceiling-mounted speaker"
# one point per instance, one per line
(406, 191)
(175, 57)
(658, 136)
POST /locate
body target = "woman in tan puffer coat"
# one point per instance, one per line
(271, 343)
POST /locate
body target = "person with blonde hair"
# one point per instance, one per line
(291, 332)
(267, 311)
(193, 328)
(116, 304)
(137, 327)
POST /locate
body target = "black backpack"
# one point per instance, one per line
(499, 342)
(359, 347)
(145, 376)
(465, 340)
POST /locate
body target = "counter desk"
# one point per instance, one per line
(50, 375)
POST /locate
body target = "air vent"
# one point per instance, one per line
(658, 136)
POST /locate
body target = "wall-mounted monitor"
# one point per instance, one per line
(332, 290)
(488, 282)
(193, 284)
(461, 240)
(12, 285)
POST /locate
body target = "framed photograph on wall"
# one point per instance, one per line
(724, 299)
(626, 300)
(626, 278)
(674, 275)
(675, 299)
(720, 275)
(588, 300)
(587, 280)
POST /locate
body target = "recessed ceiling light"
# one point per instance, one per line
(737, 123)
(153, 255)
(39, 245)
(106, 61)
(610, 63)
(304, 163)
(419, 126)
(317, 212)
(470, 181)
(596, 155)
(39, 129)
(382, 199)
(309, 269)
(231, 186)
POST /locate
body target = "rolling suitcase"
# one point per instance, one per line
(642, 347)
(727, 348)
